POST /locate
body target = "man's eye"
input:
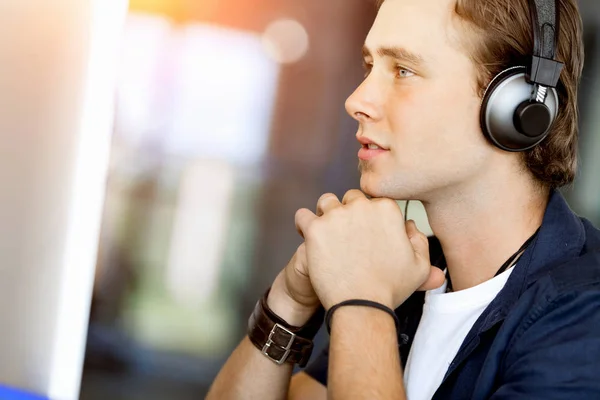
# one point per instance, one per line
(404, 73)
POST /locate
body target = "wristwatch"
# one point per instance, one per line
(280, 341)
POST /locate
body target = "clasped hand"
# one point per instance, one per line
(361, 248)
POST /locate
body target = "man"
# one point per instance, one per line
(514, 308)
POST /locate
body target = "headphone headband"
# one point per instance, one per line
(521, 104)
(544, 69)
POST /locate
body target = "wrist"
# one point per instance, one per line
(277, 339)
(288, 309)
(375, 297)
(346, 317)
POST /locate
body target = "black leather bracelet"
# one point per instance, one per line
(358, 302)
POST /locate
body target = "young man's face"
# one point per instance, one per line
(419, 102)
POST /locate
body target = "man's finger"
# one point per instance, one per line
(303, 218)
(421, 246)
(327, 202)
(417, 238)
(435, 280)
(352, 195)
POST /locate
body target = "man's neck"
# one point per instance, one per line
(480, 230)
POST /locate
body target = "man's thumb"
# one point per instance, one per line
(435, 280)
(421, 246)
(418, 239)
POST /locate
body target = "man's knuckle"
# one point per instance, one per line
(351, 193)
(361, 201)
(326, 196)
(335, 212)
(381, 204)
(298, 214)
(312, 230)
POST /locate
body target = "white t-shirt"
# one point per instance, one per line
(446, 320)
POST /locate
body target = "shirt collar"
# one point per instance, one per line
(560, 239)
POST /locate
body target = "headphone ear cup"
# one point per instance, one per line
(532, 118)
(508, 117)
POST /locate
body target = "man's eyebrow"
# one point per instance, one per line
(397, 53)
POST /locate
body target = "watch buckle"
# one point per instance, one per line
(270, 342)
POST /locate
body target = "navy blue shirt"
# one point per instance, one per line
(540, 337)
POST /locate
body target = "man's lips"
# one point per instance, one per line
(366, 153)
(368, 142)
(370, 148)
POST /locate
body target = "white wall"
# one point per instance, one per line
(57, 61)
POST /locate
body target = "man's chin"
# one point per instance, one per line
(369, 184)
(375, 185)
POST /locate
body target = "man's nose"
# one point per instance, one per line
(364, 105)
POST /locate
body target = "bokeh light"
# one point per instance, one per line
(286, 41)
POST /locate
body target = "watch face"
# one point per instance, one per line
(7, 393)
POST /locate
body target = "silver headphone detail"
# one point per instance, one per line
(500, 104)
(521, 103)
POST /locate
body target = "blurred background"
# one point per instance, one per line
(229, 117)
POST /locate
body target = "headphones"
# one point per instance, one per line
(521, 103)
